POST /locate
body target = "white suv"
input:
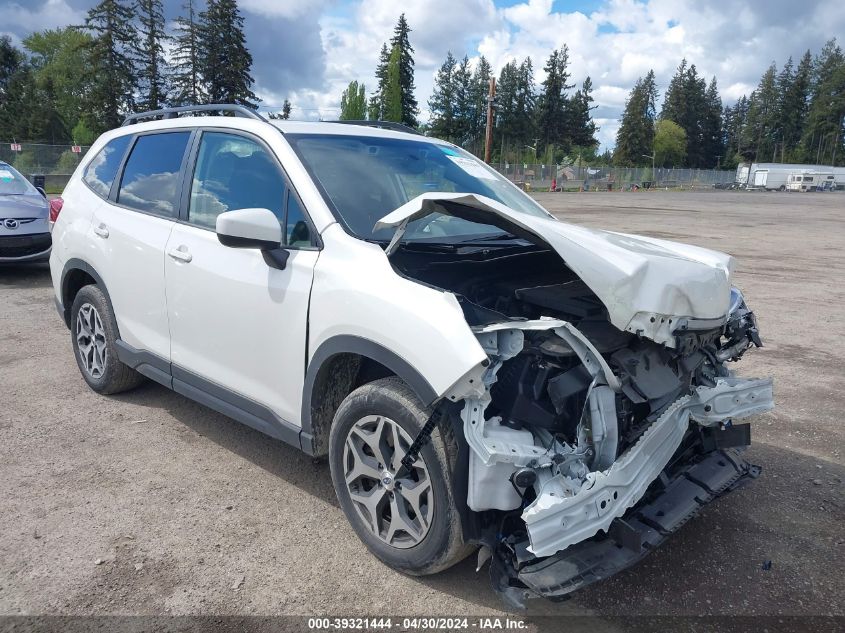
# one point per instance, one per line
(477, 372)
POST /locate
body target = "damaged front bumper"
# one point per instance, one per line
(554, 523)
(517, 575)
(581, 508)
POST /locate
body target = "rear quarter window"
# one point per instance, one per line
(102, 170)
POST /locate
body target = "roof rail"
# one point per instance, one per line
(173, 113)
(386, 125)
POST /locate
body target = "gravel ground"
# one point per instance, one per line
(146, 503)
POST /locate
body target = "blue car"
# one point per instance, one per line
(24, 219)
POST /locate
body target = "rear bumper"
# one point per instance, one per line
(19, 249)
(630, 537)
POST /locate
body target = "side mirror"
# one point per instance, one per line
(253, 228)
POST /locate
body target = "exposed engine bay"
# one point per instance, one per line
(577, 428)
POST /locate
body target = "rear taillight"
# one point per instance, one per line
(55, 208)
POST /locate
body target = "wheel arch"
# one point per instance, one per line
(340, 365)
(76, 274)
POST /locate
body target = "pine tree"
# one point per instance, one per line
(402, 43)
(759, 133)
(225, 60)
(353, 102)
(112, 73)
(286, 110)
(526, 104)
(822, 140)
(795, 96)
(686, 104)
(712, 141)
(186, 80)
(462, 81)
(635, 138)
(442, 100)
(582, 127)
(480, 89)
(152, 74)
(375, 108)
(393, 87)
(554, 121)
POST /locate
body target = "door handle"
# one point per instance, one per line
(181, 254)
(101, 230)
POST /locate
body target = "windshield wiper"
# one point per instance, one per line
(492, 237)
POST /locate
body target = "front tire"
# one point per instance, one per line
(93, 331)
(409, 520)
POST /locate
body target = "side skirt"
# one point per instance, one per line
(214, 396)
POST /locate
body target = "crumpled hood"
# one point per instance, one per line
(646, 284)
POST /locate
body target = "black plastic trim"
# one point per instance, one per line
(236, 241)
(145, 363)
(346, 344)
(78, 264)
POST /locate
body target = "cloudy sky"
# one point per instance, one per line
(309, 50)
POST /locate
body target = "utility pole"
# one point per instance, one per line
(488, 137)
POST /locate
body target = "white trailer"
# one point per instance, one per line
(809, 180)
(774, 176)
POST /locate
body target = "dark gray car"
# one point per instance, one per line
(24, 219)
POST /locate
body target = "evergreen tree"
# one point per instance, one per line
(353, 102)
(759, 133)
(822, 140)
(525, 104)
(393, 87)
(402, 43)
(286, 110)
(582, 127)
(480, 89)
(152, 75)
(225, 60)
(712, 135)
(555, 125)
(795, 97)
(375, 108)
(516, 109)
(442, 100)
(111, 73)
(686, 104)
(635, 138)
(462, 81)
(186, 79)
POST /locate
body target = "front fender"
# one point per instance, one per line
(357, 294)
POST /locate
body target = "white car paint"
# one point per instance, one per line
(237, 322)
(646, 284)
(357, 292)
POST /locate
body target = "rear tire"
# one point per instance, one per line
(411, 522)
(93, 332)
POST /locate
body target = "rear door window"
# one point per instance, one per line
(101, 171)
(151, 179)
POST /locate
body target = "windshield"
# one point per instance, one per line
(12, 183)
(365, 178)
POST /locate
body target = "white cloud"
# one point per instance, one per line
(25, 19)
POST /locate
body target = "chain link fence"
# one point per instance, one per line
(539, 177)
(55, 162)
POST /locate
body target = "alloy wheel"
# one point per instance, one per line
(91, 340)
(396, 504)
